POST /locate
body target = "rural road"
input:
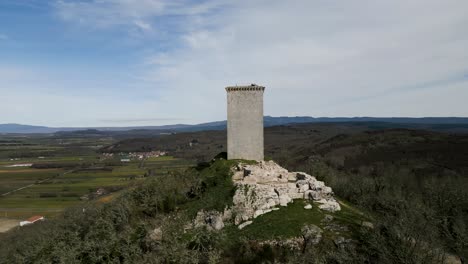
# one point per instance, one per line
(27, 186)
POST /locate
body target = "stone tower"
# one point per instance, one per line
(245, 122)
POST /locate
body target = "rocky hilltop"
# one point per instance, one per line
(263, 187)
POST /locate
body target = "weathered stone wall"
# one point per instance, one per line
(245, 122)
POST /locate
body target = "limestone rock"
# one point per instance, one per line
(258, 213)
(312, 234)
(292, 177)
(284, 200)
(296, 195)
(328, 218)
(308, 207)
(340, 241)
(295, 243)
(156, 234)
(452, 259)
(367, 225)
(330, 205)
(261, 187)
(212, 220)
(241, 226)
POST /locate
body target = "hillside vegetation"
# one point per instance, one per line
(122, 230)
(414, 182)
(410, 184)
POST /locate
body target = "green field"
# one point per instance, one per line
(71, 173)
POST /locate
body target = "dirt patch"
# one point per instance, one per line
(107, 198)
(7, 224)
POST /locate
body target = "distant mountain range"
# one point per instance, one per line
(219, 125)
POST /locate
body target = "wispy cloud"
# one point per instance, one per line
(140, 14)
(319, 58)
(142, 25)
(3, 37)
(311, 53)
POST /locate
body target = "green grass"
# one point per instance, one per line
(288, 221)
(219, 187)
(11, 179)
(280, 224)
(160, 158)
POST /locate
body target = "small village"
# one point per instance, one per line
(127, 157)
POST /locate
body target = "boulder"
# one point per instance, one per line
(316, 195)
(308, 207)
(302, 185)
(330, 205)
(156, 234)
(296, 195)
(326, 190)
(292, 177)
(316, 185)
(311, 234)
(339, 240)
(284, 200)
(367, 225)
(241, 226)
(212, 220)
(328, 218)
(237, 176)
(258, 213)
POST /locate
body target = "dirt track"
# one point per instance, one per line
(7, 224)
(25, 170)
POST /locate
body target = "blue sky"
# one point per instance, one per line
(153, 62)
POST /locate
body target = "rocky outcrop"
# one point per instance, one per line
(156, 234)
(264, 186)
(311, 234)
(241, 226)
(212, 220)
(295, 243)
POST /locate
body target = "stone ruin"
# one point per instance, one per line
(262, 187)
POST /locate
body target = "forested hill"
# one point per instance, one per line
(452, 124)
(410, 183)
(413, 181)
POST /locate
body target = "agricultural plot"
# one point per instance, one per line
(14, 178)
(63, 178)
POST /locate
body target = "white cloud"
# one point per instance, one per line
(62, 110)
(105, 14)
(315, 57)
(319, 58)
(142, 25)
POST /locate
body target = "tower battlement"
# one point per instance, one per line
(252, 87)
(245, 122)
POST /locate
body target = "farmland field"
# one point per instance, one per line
(43, 175)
